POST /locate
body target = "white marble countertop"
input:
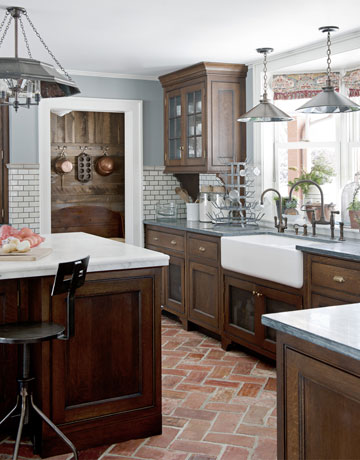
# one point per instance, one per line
(105, 254)
(335, 328)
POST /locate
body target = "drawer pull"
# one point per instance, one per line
(202, 249)
(339, 279)
(173, 242)
(155, 238)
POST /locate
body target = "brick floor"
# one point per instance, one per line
(216, 406)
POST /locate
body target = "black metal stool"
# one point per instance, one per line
(69, 277)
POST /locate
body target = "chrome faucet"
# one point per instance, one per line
(282, 225)
(322, 220)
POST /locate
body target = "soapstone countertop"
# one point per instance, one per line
(334, 328)
(320, 245)
(205, 228)
(105, 255)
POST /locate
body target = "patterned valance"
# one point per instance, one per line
(352, 82)
(301, 85)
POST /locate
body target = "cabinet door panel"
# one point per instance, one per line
(275, 301)
(322, 410)
(108, 366)
(204, 295)
(241, 317)
(194, 117)
(175, 285)
(173, 128)
(318, 300)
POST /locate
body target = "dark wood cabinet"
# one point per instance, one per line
(104, 384)
(201, 106)
(193, 280)
(331, 281)
(245, 300)
(318, 402)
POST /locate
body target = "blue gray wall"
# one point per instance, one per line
(23, 124)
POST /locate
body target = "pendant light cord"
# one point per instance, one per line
(328, 82)
(265, 76)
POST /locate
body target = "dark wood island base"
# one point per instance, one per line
(104, 384)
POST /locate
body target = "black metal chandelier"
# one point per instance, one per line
(24, 81)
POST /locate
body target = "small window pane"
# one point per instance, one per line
(191, 125)
(198, 147)
(191, 147)
(198, 101)
(178, 127)
(178, 149)
(172, 128)
(198, 125)
(172, 108)
(178, 106)
(190, 103)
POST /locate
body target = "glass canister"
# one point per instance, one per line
(206, 208)
(218, 200)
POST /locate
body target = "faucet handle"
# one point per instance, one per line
(275, 221)
(285, 221)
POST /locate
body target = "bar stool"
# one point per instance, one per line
(69, 277)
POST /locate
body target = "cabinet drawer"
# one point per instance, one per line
(165, 240)
(338, 278)
(203, 248)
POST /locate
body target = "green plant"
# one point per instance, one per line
(354, 204)
(321, 173)
(286, 203)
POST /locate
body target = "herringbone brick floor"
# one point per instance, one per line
(216, 406)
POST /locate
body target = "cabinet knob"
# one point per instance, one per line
(155, 238)
(173, 242)
(202, 249)
(182, 148)
(339, 279)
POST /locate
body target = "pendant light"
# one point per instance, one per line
(328, 101)
(265, 111)
(24, 81)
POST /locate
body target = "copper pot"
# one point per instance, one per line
(63, 165)
(105, 165)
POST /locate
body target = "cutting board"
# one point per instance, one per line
(33, 254)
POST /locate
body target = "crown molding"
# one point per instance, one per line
(339, 44)
(85, 73)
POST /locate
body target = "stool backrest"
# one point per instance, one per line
(70, 276)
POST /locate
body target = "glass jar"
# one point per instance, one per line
(206, 209)
(347, 197)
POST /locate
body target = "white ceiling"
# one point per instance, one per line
(150, 38)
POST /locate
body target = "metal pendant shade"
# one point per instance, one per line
(24, 81)
(264, 111)
(328, 101)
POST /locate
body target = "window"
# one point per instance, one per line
(330, 142)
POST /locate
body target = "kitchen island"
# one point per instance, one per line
(104, 384)
(318, 367)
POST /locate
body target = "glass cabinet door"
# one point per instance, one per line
(194, 125)
(241, 311)
(274, 301)
(174, 131)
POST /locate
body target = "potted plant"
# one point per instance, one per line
(321, 173)
(288, 206)
(354, 210)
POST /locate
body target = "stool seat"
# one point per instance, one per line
(23, 333)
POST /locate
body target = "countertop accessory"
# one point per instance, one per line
(62, 165)
(265, 111)
(24, 81)
(105, 165)
(166, 211)
(329, 101)
(69, 277)
(192, 211)
(238, 205)
(33, 254)
(183, 194)
(84, 172)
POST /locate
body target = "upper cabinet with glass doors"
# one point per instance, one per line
(201, 106)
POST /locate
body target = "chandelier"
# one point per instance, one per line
(24, 81)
